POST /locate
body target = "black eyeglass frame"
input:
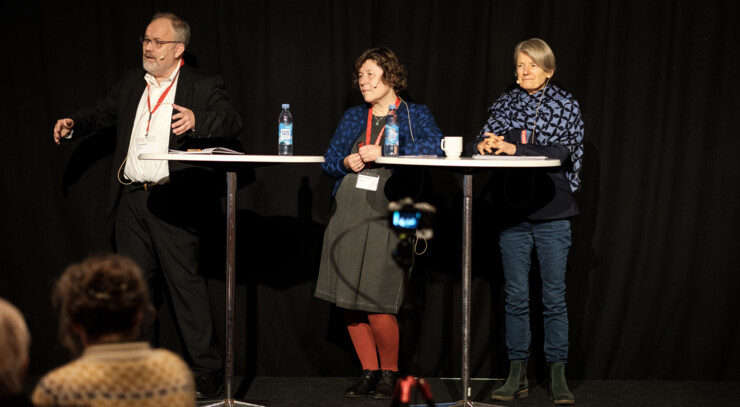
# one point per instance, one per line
(157, 44)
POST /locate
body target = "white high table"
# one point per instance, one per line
(232, 160)
(467, 166)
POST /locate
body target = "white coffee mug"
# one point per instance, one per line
(452, 146)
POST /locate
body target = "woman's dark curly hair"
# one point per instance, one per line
(394, 74)
(102, 294)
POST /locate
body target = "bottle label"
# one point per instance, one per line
(391, 135)
(286, 134)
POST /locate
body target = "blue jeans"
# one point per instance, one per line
(553, 242)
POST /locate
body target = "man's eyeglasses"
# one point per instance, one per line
(155, 42)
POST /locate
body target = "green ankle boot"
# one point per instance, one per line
(558, 386)
(516, 384)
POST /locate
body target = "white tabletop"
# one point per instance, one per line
(468, 162)
(235, 158)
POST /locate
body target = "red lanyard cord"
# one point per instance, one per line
(161, 98)
(370, 126)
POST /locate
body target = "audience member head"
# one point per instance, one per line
(394, 73)
(101, 299)
(14, 344)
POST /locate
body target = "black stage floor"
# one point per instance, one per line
(329, 391)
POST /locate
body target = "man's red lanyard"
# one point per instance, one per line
(161, 98)
(370, 126)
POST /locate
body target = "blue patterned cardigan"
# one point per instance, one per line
(559, 129)
(426, 136)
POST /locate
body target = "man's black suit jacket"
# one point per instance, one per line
(204, 94)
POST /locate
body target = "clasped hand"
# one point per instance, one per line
(493, 142)
(366, 154)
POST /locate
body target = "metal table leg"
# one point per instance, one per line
(466, 283)
(230, 285)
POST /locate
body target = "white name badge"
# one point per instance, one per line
(146, 145)
(368, 182)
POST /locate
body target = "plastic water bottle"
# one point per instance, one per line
(285, 127)
(390, 148)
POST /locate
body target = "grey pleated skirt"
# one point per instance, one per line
(357, 268)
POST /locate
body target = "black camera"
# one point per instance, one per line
(406, 215)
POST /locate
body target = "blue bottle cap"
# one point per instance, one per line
(286, 106)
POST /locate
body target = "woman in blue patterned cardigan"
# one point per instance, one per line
(535, 119)
(357, 269)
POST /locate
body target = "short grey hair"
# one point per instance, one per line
(539, 51)
(182, 28)
(15, 342)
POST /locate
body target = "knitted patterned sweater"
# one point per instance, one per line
(122, 374)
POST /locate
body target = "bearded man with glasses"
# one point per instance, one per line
(161, 207)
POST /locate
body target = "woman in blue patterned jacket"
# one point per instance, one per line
(357, 270)
(535, 119)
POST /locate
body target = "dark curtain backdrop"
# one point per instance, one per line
(653, 279)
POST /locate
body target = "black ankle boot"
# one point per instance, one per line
(386, 385)
(368, 381)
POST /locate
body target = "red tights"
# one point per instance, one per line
(374, 335)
